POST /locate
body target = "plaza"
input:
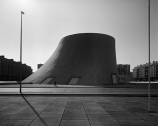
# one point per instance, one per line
(76, 105)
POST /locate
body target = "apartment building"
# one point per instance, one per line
(10, 70)
(140, 72)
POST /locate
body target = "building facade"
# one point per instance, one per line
(10, 70)
(83, 59)
(124, 73)
(123, 69)
(140, 72)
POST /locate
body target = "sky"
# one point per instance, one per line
(46, 22)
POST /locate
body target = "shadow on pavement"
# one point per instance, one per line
(43, 122)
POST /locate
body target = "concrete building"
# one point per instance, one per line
(124, 73)
(84, 59)
(140, 72)
(10, 70)
(123, 69)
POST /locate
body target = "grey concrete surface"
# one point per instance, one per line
(79, 89)
(77, 111)
(72, 106)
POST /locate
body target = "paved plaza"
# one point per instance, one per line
(76, 105)
(77, 111)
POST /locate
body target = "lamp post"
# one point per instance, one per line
(21, 50)
(149, 57)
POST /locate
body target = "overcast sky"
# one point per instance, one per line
(46, 22)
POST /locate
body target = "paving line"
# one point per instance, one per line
(85, 111)
(38, 114)
(63, 113)
(15, 114)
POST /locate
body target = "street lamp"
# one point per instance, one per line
(21, 49)
(149, 57)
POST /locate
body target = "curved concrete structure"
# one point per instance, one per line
(88, 58)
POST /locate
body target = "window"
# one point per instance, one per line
(47, 80)
(74, 80)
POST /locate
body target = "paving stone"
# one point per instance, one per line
(74, 107)
(101, 99)
(122, 115)
(31, 101)
(106, 103)
(102, 120)
(38, 107)
(25, 115)
(146, 116)
(33, 110)
(101, 111)
(60, 104)
(91, 105)
(95, 110)
(61, 99)
(135, 109)
(74, 115)
(3, 107)
(4, 116)
(115, 99)
(74, 104)
(87, 101)
(4, 102)
(13, 110)
(72, 99)
(112, 108)
(19, 104)
(73, 112)
(53, 116)
(74, 123)
(47, 120)
(35, 99)
(43, 103)
(14, 100)
(154, 103)
(11, 122)
(84, 101)
(53, 110)
(122, 105)
(152, 122)
(133, 123)
(44, 122)
(153, 109)
(135, 103)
